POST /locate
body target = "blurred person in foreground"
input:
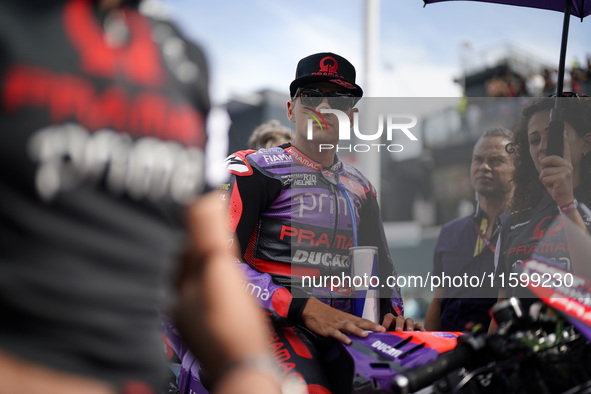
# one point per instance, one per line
(268, 135)
(547, 188)
(102, 190)
(290, 210)
(467, 245)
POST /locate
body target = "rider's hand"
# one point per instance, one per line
(399, 323)
(330, 322)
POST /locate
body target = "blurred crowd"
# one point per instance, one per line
(577, 79)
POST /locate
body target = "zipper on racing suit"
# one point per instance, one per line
(332, 186)
(333, 190)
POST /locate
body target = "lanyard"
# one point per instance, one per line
(342, 188)
(484, 239)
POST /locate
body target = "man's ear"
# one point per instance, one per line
(291, 111)
(351, 113)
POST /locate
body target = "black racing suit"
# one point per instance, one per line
(294, 220)
(541, 231)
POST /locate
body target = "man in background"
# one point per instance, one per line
(467, 245)
(269, 134)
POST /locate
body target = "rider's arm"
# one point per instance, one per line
(248, 194)
(371, 233)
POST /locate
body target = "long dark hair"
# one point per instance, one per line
(528, 188)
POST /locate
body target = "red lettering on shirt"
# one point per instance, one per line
(306, 234)
(139, 60)
(69, 97)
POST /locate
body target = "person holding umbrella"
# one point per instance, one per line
(546, 186)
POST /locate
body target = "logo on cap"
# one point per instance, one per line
(343, 83)
(326, 68)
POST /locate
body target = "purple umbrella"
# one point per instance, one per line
(580, 8)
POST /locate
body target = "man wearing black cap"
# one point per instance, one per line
(295, 210)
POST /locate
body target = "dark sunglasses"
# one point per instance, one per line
(338, 100)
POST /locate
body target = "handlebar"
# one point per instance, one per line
(463, 354)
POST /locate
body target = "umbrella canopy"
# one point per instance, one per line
(579, 8)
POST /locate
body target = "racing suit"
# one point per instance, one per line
(295, 219)
(292, 219)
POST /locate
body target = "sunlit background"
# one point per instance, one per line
(400, 49)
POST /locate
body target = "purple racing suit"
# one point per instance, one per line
(293, 220)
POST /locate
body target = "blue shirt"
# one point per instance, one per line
(464, 262)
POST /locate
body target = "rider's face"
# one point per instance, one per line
(324, 127)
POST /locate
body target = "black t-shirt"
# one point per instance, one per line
(100, 150)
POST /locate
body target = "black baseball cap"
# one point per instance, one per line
(325, 67)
